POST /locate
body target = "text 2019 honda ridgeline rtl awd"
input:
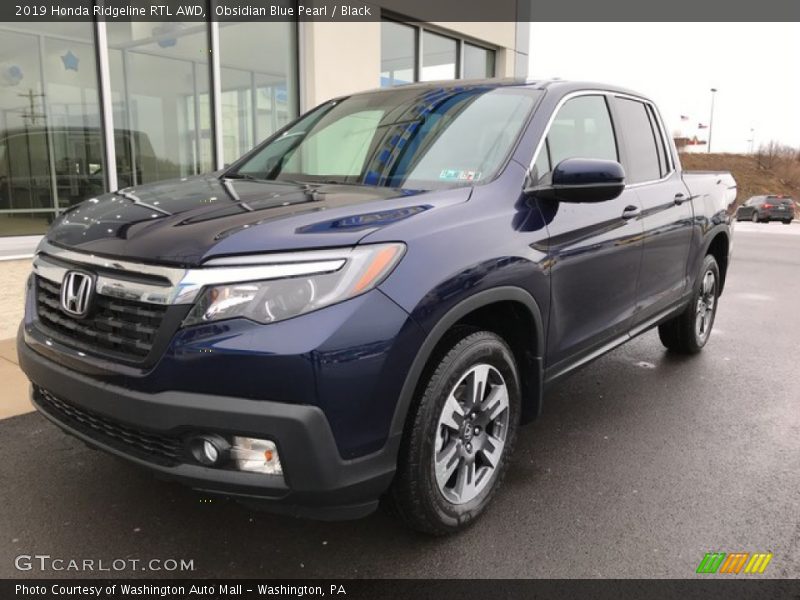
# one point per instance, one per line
(369, 303)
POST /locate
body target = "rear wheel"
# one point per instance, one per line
(755, 217)
(688, 332)
(787, 222)
(457, 444)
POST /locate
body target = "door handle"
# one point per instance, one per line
(681, 198)
(631, 211)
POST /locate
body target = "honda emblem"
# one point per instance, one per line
(76, 293)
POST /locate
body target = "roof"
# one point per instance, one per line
(561, 86)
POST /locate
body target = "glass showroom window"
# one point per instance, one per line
(398, 53)
(439, 57)
(161, 103)
(442, 56)
(478, 62)
(50, 137)
(258, 81)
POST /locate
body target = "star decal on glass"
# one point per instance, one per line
(70, 61)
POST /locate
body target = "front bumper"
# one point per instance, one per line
(317, 482)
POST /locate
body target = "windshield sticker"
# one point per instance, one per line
(459, 175)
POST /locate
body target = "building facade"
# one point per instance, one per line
(90, 107)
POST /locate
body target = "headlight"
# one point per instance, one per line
(268, 301)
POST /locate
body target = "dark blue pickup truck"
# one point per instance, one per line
(370, 303)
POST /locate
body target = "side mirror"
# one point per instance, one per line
(582, 180)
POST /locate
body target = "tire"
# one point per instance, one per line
(684, 333)
(787, 222)
(754, 218)
(442, 501)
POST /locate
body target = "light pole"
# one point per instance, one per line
(711, 119)
(752, 139)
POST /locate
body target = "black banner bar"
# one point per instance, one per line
(420, 10)
(406, 589)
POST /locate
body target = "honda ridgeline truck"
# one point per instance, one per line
(370, 303)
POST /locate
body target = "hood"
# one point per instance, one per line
(187, 221)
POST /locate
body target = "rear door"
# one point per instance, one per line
(595, 248)
(667, 215)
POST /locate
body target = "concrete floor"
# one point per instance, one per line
(13, 274)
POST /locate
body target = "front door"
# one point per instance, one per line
(595, 249)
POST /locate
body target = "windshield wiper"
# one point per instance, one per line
(239, 175)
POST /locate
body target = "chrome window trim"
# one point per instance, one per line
(660, 124)
(606, 94)
(552, 118)
(185, 284)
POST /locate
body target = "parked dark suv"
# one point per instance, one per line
(370, 303)
(763, 209)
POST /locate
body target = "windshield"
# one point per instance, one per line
(404, 138)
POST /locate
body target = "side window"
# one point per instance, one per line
(643, 158)
(582, 129)
(661, 147)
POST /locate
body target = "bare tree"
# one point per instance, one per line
(788, 172)
(768, 154)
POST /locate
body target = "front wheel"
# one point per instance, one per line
(787, 222)
(755, 217)
(688, 332)
(459, 439)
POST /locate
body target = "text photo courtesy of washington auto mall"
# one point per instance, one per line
(399, 299)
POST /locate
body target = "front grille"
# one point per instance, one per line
(153, 448)
(124, 329)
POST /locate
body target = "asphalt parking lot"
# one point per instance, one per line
(641, 464)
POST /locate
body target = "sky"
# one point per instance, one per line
(754, 66)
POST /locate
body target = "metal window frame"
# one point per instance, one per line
(421, 31)
(215, 74)
(106, 104)
(417, 48)
(466, 42)
(215, 91)
(460, 39)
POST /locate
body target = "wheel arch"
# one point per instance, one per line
(467, 312)
(718, 246)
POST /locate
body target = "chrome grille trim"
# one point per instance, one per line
(115, 328)
(184, 284)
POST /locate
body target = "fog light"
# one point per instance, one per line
(256, 456)
(210, 450)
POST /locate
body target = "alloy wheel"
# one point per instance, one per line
(706, 305)
(471, 434)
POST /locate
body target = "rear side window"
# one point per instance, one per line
(582, 129)
(644, 161)
(661, 146)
